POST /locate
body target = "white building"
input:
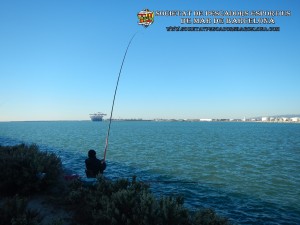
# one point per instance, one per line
(265, 119)
(205, 120)
(295, 119)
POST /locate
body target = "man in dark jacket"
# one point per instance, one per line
(93, 165)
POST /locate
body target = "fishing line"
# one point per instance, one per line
(112, 107)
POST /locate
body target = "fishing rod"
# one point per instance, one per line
(112, 107)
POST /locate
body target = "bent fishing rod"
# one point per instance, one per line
(112, 107)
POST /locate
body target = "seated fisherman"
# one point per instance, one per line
(93, 165)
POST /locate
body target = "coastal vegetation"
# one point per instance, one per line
(26, 172)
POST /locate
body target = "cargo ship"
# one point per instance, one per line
(97, 116)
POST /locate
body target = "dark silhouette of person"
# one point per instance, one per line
(93, 165)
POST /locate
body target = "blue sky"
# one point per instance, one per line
(59, 60)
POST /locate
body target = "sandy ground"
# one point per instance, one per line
(51, 212)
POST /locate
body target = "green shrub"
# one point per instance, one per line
(131, 203)
(14, 211)
(24, 169)
(209, 217)
(173, 212)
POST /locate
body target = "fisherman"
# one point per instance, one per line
(93, 165)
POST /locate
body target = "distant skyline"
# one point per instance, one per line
(59, 60)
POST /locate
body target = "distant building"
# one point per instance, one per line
(224, 120)
(205, 120)
(265, 119)
(295, 119)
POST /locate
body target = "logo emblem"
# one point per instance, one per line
(146, 17)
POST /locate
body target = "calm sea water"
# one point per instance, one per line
(249, 172)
